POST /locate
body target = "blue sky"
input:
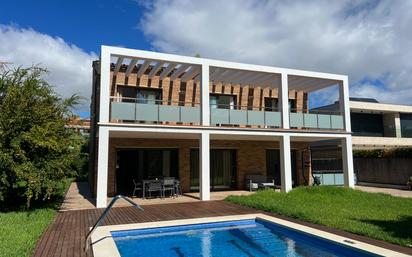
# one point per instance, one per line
(87, 24)
(368, 40)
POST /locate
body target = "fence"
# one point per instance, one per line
(394, 170)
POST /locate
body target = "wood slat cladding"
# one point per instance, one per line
(174, 92)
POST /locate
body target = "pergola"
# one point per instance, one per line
(224, 75)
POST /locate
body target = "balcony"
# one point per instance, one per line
(143, 110)
(133, 110)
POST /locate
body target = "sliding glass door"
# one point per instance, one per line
(273, 165)
(222, 169)
(139, 164)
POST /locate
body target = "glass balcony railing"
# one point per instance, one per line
(133, 109)
(159, 111)
(329, 120)
(244, 115)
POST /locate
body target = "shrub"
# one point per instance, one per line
(37, 151)
(384, 153)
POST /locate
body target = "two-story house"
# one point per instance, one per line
(208, 123)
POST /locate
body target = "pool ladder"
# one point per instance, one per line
(104, 214)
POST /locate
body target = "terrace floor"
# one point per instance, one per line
(66, 235)
(78, 197)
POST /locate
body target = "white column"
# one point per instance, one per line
(104, 103)
(347, 162)
(285, 164)
(102, 167)
(204, 166)
(344, 105)
(398, 129)
(204, 87)
(284, 101)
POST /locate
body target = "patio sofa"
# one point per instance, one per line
(255, 182)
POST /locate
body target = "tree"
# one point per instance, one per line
(37, 151)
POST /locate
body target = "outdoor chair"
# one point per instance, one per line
(154, 186)
(178, 188)
(168, 184)
(137, 187)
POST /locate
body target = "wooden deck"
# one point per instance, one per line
(66, 235)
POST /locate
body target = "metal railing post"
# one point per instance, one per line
(135, 110)
(104, 214)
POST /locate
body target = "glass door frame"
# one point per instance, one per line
(194, 168)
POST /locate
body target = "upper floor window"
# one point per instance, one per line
(367, 124)
(292, 105)
(271, 104)
(222, 101)
(149, 95)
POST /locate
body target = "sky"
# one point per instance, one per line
(368, 40)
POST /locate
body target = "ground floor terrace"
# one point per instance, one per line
(208, 162)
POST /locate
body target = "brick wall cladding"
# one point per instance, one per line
(251, 156)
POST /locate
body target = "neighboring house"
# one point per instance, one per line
(374, 126)
(209, 123)
(377, 125)
(80, 125)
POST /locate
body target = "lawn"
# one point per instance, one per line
(21, 229)
(378, 216)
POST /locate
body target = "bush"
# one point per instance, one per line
(37, 151)
(384, 153)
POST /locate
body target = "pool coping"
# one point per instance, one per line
(103, 244)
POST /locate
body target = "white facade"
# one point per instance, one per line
(207, 70)
(391, 125)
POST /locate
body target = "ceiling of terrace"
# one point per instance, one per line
(186, 72)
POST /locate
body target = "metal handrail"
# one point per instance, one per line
(228, 106)
(157, 101)
(104, 214)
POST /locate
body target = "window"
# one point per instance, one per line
(271, 104)
(222, 101)
(292, 105)
(149, 96)
(127, 93)
(367, 124)
(406, 124)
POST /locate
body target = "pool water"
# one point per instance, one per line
(248, 238)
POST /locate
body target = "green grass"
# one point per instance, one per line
(374, 215)
(21, 229)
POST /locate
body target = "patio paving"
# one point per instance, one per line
(79, 197)
(390, 191)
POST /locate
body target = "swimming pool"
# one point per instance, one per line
(242, 236)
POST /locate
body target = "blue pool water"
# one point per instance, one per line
(247, 238)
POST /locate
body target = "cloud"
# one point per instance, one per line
(367, 40)
(70, 67)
